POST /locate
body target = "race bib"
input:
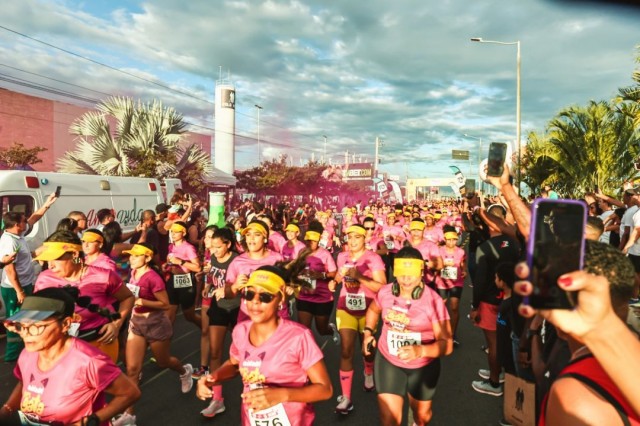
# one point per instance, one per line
(182, 281)
(272, 416)
(356, 301)
(135, 289)
(396, 340)
(449, 273)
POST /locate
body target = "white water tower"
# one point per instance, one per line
(223, 150)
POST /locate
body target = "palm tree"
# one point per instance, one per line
(145, 141)
(631, 94)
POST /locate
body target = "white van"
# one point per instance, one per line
(128, 197)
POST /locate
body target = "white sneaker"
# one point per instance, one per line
(125, 419)
(369, 384)
(344, 405)
(185, 379)
(216, 407)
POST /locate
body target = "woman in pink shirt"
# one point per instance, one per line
(450, 280)
(281, 366)
(293, 246)
(415, 333)
(61, 379)
(92, 244)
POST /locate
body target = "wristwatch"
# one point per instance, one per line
(92, 420)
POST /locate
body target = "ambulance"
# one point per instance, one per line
(127, 197)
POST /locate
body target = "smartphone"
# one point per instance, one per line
(555, 247)
(495, 161)
(469, 187)
(187, 197)
(58, 188)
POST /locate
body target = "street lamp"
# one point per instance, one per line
(259, 152)
(479, 154)
(517, 43)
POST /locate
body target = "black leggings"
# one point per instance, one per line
(420, 382)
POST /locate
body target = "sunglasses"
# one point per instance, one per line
(262, 297)
(369, 229)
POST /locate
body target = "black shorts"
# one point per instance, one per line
(443, 292)
(185, 297)
(635, 260)
(456, 292)
(316, 309)
(420, 382)
(222, 317)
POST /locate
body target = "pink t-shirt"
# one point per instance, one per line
(406, 321)
(282, 361)
(320, 261)
(244, 265)
(326, 239)
(434, 234)
(451, 275)
(184, 251)
(96, 283)
(276, 241)
(429, 251)
(72, 389)
(105, 262)
(355, 298)
(145, 288)
(388, 232)
(291, 253)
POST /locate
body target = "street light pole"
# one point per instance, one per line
(324, 157)
(258, 107)
(479, 155)
(518, 118)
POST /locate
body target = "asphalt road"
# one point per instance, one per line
(455, 402)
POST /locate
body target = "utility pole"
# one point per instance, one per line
(379, 143)
(259, 153)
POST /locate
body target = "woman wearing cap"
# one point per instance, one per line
(450, 280)
(293, 246)
(429, 251)
(316, 302)
(61, 379)
(415, 333)
(149, 326)
(182, 264)
(281, 366)
(222, 313)
(432, 232)
(92, 244)
(362, 274)
(98, 323)
(256, 238)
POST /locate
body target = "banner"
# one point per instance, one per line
(458, 186)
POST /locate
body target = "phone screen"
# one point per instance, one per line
(556, 246)
(470, 187)
(58, 188)
(495, 161)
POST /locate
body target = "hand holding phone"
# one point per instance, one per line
(58, 188)
(496, 158)
(556, 247)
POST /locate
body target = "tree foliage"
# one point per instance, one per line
(128, 138)
(18, 156)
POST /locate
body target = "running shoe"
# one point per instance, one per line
(216, 407)
(484, 386)
(344, 405)
(485, 374)
(369, 384)
(185, 379)
(202, 371)
(125, 419)
(336, 333)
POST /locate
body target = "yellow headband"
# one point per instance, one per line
(292, 227)
(417, 224)
(139, 250)
(256, 227)
(451, 234)
(407, 267)
(91, 237)
(357, 230)
(312, 236)
(266, 280)
(53, 250)
(391, 214)
(176, 227)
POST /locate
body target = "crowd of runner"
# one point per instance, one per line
(392, 276)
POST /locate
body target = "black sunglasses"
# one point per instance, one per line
(262, 297)
(369, 229)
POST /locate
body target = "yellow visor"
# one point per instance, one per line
(176, 227)
(408, 267)
(139, 250)
(266, 280)
(91, 237)
(417, 224)
(357, 230)
(54, 250)
(292, 227)
(450, 235)
(312, 236)
(256, 227)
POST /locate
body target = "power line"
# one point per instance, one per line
(107, 66)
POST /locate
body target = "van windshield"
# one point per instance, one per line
(17, 203)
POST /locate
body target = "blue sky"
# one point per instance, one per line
(402, 71)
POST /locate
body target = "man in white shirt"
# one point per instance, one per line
(632, 228)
